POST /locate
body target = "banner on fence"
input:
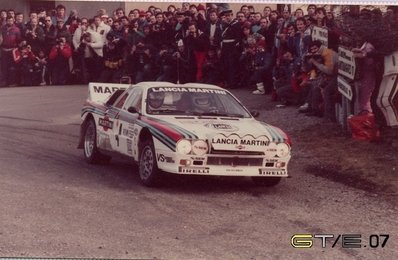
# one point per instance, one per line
(347, 65)
(344, 88)
(320, 34)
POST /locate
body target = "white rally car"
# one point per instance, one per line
(181, 129)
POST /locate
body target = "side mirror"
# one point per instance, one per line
(133, 110)
(255, 113)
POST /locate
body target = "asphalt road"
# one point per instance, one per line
(53, 204)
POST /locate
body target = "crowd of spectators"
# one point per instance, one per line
(264, 51)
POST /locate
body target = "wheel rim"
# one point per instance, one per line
(147, 163)
(89, 140)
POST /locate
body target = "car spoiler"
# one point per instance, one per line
(100, 92)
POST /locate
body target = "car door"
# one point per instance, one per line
(127, 129)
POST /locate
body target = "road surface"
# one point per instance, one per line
(53, 204)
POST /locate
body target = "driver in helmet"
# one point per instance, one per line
(155, 100)
(201, 102)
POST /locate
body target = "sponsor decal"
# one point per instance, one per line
(222, 126)
(129, 147)
(104, 141)
(268, 172)
(235, 140)
(193, 170)
(191, 90)
(105, 123)
(125, 132)
(105, 89)
(130, 131)
(234, 170)
(197, 158)
(163, 158)
(100, 91)
(200, 147)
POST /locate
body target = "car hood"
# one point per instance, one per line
(246, 134)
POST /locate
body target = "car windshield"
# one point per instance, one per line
(194, 102)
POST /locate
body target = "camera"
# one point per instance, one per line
(309, 66)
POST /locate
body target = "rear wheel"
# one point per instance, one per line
(91, 153)
(266, 181)
(148, 168)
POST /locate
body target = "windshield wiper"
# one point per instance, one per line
(219, 114)
(168, 111)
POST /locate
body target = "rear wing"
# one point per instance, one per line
(100, 92)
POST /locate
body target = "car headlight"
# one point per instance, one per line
(200, 147)
(184, 146)
(282, 150)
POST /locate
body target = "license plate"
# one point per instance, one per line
(273, 173)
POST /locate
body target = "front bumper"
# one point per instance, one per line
(223, 165)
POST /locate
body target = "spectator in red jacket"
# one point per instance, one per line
(24, 59)
(11, 37)
(59, 61)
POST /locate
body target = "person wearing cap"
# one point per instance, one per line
(142, 21)
(231, 37)
(104, 18)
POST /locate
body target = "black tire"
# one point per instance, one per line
(90, 150)
(148, 167)
(266, 181)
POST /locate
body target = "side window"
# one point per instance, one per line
(134, 99)
(119, 104)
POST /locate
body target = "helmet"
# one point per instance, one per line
(155, 99)
(201, 102)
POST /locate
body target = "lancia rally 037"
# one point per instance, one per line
(189, 129)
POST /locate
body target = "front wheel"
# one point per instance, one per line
(266, 181)
(148, 168)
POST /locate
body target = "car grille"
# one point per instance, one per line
(235, 161)
(237, 153)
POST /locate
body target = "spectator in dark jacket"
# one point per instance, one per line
(50, 34)
(213, 29)
(113, 61)
(34, 35)
(197, 41)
